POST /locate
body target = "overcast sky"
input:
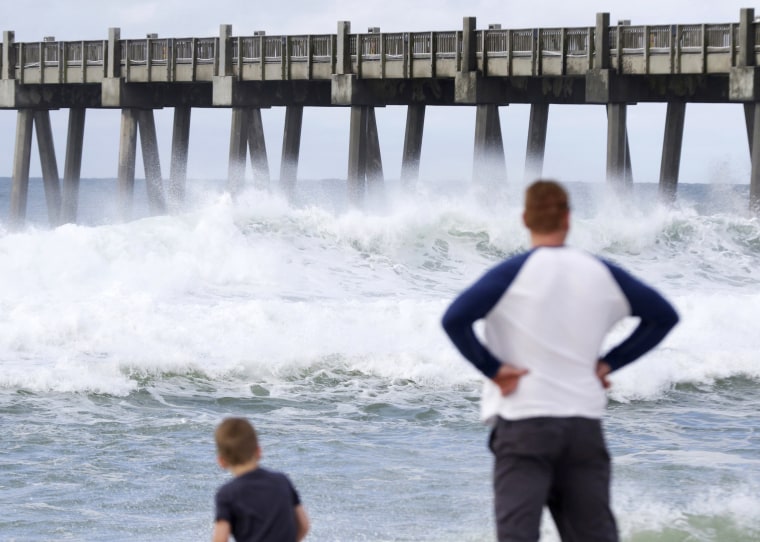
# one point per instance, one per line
(714, 148)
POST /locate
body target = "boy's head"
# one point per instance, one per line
(546, 207)
(236, 441)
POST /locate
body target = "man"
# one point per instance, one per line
(546, 313)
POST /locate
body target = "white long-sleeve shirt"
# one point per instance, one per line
(548, 310)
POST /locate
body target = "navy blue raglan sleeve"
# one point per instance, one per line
(657, 317)
(475, 303)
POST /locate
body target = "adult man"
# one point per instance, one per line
(546, 313)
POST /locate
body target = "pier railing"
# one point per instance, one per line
(657, 49)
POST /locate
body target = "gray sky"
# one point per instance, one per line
(714, 148)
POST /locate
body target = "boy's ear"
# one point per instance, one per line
(257, 455)
(222, 462)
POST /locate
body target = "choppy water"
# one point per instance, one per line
(122, 345)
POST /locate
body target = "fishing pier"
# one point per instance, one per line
(611, 65)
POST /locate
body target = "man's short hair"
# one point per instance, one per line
(546, 205)
(236, 441)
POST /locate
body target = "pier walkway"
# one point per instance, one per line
(601, 64)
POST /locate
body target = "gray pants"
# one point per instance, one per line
(558, 462)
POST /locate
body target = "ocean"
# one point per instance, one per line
(123, 344)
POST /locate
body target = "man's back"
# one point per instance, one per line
(555, 311)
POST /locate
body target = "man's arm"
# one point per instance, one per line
(221, 531)
(657, 316)
(472, 305)
(302, 522)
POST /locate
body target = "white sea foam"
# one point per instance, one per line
(121, 346)
(256, 287)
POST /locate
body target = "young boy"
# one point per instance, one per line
(257, 505)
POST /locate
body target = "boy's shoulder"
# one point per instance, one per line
(257, 478)
(259, 487)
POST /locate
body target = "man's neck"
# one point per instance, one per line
(553, 239)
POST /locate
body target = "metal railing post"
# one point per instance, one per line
(113, 62)
(602, 41)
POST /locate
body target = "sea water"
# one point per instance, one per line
(123, 344)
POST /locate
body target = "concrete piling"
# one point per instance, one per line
(489, 165)
(21, 158)
(238, 140)
(258, 149)
(749, 120)
(72, 167)
(745, 61)
(410, 160)
(127, 155)
(357, 154)
(365, 164)
(151, 162)
(616, 144)
(49, 165)
(671, 150)
(534, 152)
(291, 147)
(754, 183)
(180, 148)
(374, 162)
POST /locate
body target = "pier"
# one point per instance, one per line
(604, 65)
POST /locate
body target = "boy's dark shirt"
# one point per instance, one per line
(259, 506)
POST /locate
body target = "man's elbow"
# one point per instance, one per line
(449, 323)
(671, 318)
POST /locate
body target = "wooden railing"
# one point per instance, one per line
(499, 52)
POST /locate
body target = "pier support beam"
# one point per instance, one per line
(357, 154)
(746, 73)
(180, 147)
(744, 85)
(754, 183)
(365, 164)
(534, 153)
(247, 135)
(21, 158)
(617, 145)
(72, 167)
(238, 139)
(258, 149)
(488, 158)
(127, 155)
(374, 171)
(410, 160)
(671, 150)
(49, 165)
(131, 119)
(291, 146)
(151, 162)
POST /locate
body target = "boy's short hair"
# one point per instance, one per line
(546, 205)
(236, 440)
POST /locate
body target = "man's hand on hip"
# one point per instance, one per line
(508, 377)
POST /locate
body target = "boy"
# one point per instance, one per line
(257, 505)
